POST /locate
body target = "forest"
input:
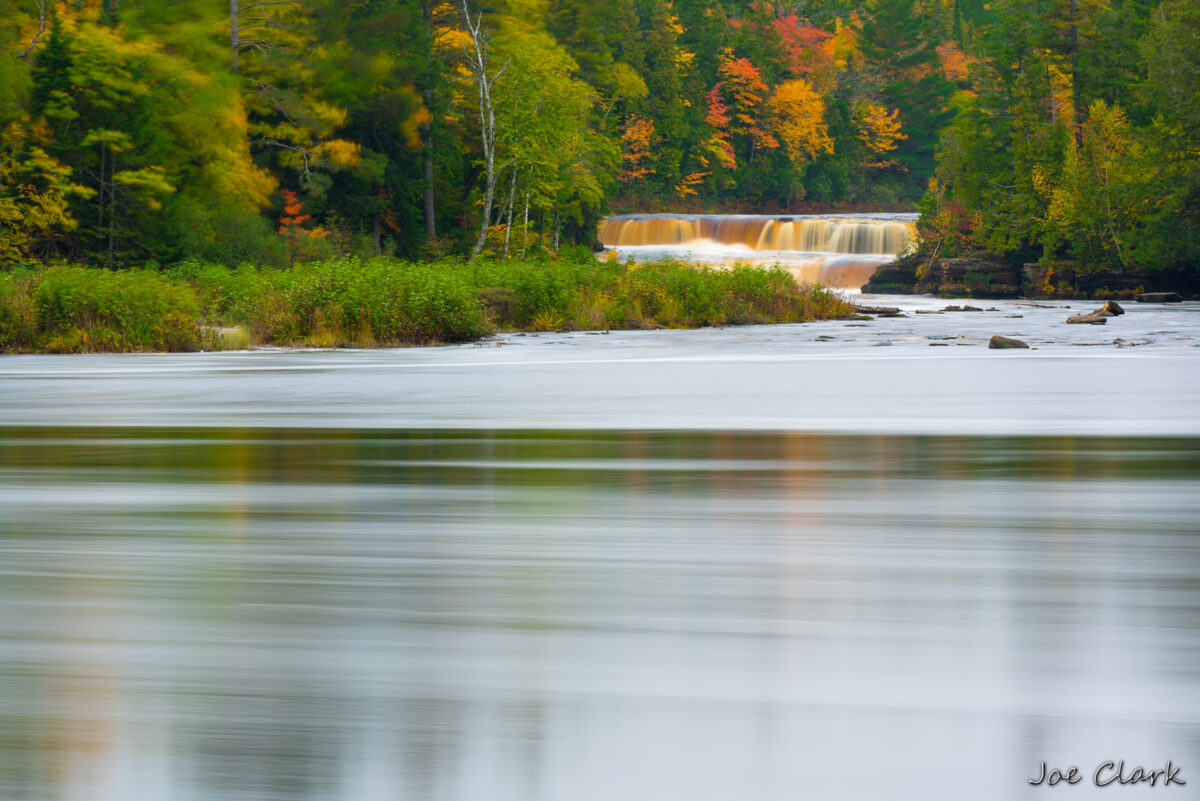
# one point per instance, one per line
(276, 132)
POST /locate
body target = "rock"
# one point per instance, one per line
(1005, 343)
(929, 311)
(1087, 319)
(1158, 297)
(894, 314)
(1014, 316)
(1113, 308)
(878, 310)
(883, 344)
(958, 278)
(962, 308)
(897, 278)
(1121, 343)
(939, 344)
(823, 338)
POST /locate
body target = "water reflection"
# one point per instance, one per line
(300, 614)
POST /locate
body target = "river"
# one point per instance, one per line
(764, 563)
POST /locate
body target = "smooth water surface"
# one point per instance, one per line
(281, 575)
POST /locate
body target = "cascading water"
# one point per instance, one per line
(841, 251)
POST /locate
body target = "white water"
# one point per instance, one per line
(840, 251)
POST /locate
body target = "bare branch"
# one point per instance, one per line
(41, 7)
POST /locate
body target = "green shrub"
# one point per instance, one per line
(82, 309)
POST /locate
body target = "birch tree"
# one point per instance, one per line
(479, 65)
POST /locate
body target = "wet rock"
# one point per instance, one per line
(896, 314)
(878, 310)
(1087, 319)
(1158, 297)
(862, 317)
(1015, 316)
(962, 309)
(929, 311)
(1005, 343)
(824, 338)
(883, 344)
(1113, 308)
(939, 344)
(1121, 343)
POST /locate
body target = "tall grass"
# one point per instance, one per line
(79, 310)
(349, 302)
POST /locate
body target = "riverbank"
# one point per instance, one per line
(350, 303)
(917, 274)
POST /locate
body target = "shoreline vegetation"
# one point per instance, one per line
(348, 302)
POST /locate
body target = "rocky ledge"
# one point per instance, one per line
(981, 278)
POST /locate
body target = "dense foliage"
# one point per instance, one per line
(286, 131)
(1079, 139)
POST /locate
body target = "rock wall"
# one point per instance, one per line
(977, 278)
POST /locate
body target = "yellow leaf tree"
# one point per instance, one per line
(798, 118)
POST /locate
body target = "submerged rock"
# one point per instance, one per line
(1158, 297)
(1005, 343)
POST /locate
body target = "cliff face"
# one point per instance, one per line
(977, 278)
(947, 278)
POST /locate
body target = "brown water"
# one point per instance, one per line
(835, 251)
(828, 234)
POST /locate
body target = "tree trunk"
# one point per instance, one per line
(234, 34)
(1076, 95)
(100, 194)
(427, 129)
(478, 64)
(112, 204)
(512, 191)
(525, 226)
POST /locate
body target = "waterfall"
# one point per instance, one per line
(841, 251)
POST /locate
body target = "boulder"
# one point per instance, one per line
(1113, 308)
(1087, 319)
(1005, 343)
(1158, 297)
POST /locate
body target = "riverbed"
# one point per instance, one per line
(847, 559)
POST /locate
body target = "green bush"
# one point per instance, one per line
(349, 301)
(78, 309)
